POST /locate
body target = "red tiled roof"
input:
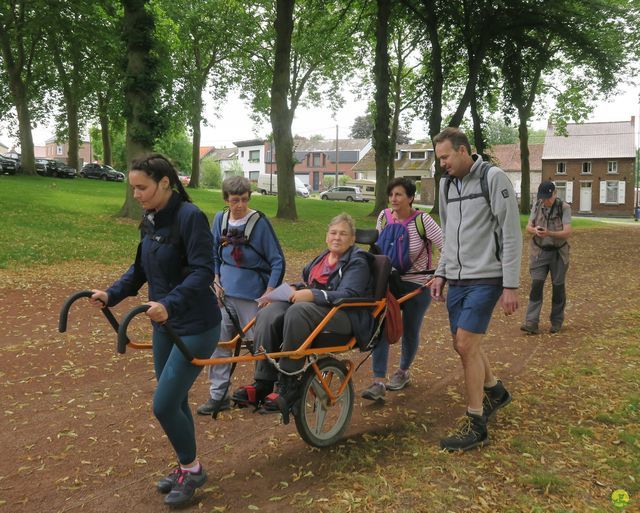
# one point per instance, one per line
(204, 150)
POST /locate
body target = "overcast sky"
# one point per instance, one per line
(233, 122)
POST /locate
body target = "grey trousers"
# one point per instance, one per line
(539, 267)
(244, 310)
(286, 326)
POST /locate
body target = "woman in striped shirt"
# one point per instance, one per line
(423, 234)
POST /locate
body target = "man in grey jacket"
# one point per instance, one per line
(480, 261)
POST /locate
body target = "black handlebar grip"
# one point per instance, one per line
(123, 340)
(64, 311)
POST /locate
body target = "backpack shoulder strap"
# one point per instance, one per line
(447, 186)
(251, 223)
(422, 232)
(224, 222)
(484, 181)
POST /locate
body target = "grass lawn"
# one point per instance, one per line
(52, 220)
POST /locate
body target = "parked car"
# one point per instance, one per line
(56, 168)
(7, 165)
(101, 172)
(41, 167)
(343, 192)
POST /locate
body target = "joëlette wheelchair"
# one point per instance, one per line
(326, 389)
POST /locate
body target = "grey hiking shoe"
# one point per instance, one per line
(555, 328)
(495, 398)
(375, 392)
(471, 433)
(530, 329)
(214, 405)
(399, 380)
(185, 487)
(165, 484)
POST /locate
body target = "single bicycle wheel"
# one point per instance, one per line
(320, 423)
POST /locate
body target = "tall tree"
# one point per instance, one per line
(208, 35)
(21, 39)
(142, 87)
(382, 81)
(281, 112)
(69, 24)
(321, 54)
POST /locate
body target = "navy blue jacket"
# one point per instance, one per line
(179, 273)
(351, 278)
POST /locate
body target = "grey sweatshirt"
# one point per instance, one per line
(479, 242)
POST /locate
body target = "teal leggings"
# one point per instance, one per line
(175, 376)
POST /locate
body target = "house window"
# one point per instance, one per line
(253, 176)
(242, 153)
(417, 155)
(561, 168)
(612, 192)
(586, 168)
(254, 156)
(397, 155)
(612, 167)
(58, 150)
(317, 160)
(561, 190)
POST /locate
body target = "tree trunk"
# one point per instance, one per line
(525, 185)
(74, 133)
(140, 90)
(381, 127)
(281, 116)
(478, 135)
(104, 129)
(196, 117)
(27, 157)
(435, 116)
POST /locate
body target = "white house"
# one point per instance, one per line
(251, 156)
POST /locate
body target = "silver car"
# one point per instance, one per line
(344, 192)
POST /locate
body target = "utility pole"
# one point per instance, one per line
(337, 158)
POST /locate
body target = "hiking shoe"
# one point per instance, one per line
(214, 405)
(530, 329)
(471, 433)
(185, 487)
(252, 395)
(165, 484)
(555, 328)
(375, 392)
(399, 380)
(495, 398)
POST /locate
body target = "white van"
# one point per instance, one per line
(268, 184)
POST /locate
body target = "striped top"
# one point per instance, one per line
(419, 252)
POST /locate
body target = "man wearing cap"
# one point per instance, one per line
(550, 225)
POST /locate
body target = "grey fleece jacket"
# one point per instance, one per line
(480, 242)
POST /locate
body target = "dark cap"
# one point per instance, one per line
(545, 191)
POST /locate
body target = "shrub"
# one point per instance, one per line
(211, 174)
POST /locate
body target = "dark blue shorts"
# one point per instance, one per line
(470, 307)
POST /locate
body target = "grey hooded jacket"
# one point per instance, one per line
(480, 241)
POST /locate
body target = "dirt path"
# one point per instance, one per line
(77, 433)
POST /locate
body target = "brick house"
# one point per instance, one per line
(411, 161)
(56, 150)
(593, 166)
(315, 160)
(507, 158)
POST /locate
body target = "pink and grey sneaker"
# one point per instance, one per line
(165, 484)
(185, 487)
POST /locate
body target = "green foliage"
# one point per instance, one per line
(176, 145)
(499, 132)
(210, 174)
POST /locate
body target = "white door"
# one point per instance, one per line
(585, 196)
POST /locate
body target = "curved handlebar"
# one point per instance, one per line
(123, 340)
(64, 311)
